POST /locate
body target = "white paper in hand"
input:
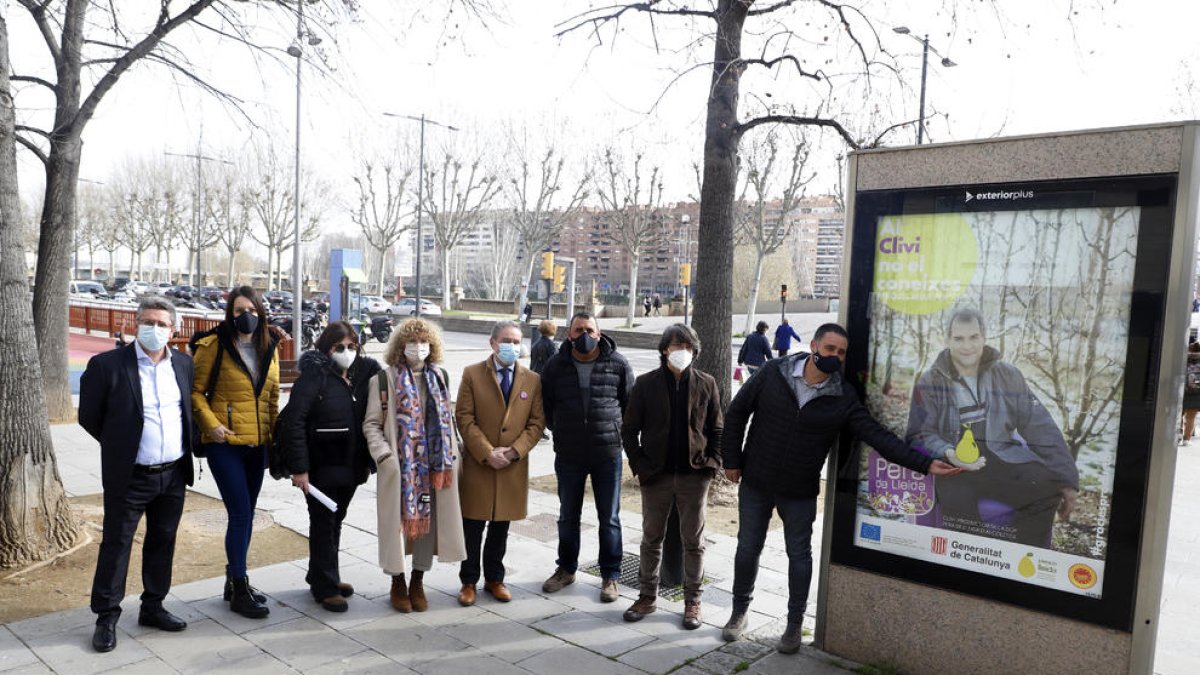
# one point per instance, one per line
(321, 497)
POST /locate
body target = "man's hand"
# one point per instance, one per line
(221, 433)
(939, 468)
(496, 459)
(734, 475)
(300, 480)
(1070, 496)
(952, 458)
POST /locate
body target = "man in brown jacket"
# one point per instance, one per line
(500, 416)
(672, 436)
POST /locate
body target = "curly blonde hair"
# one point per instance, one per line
(414, 330)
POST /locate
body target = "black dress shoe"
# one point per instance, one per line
(105, 637)
(161, 619)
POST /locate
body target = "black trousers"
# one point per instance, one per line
(324, 540)
(493, 550)
(160, 496)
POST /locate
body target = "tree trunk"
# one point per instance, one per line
(382, 259)
(633, 289)
(446, 279)
(35, 516)
(270, 265)
(713, 320)
(229, 270)
(755, 284)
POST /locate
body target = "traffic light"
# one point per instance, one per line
(783, 292)
(560, 278)
(685, 274)
(548, 265)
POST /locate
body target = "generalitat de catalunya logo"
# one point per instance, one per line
(938, 545)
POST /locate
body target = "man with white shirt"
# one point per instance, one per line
(135, 401)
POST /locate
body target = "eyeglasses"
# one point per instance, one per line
(339, 348)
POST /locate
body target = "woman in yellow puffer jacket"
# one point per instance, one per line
(235, 399)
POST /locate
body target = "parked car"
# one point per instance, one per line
(275, 298)
(181, 292)
(161, 288)
(408, 306)
(119, 284)
(320, 300)
(137, 288)
(88, 290)
(372, 304)
(212, 293)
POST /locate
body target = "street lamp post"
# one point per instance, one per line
(925, 49)
(297, 292)
(196, 217)
(420, 192)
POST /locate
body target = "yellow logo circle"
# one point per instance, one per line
(924, 262)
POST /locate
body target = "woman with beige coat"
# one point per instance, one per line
(409, 428)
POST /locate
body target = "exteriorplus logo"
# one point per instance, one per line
(999, 195)
(938, 545)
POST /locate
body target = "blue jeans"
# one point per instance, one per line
(238, 471)
(754, 516)
(606, 488)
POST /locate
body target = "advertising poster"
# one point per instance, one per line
(998, 342)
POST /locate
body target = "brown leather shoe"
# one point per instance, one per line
(335, 603)
(400, 601)
(691, 614)
(416, 592)
(645, 605)
(345, 589)
(466, 596)
(498, 590)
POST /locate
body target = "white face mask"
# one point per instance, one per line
(416, 352)
(344, 358)
(680, 359)
(153, 338)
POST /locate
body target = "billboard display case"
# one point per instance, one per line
(1013, 329)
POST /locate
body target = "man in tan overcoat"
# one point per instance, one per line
(499, 413)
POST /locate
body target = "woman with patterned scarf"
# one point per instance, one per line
(409, 429)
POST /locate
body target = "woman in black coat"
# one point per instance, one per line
(325, 448)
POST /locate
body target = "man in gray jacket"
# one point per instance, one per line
(976, 411)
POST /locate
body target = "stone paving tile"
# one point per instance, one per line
(526, 607)
(658, 656)
(806, 661)
(32, 669)
(576, 661)
(198, 590)
(747, 649)
(303, 643)
(362, 610)
(501, 637)
(404, 640)
(368, 553)
(367, 579)
(719, 663)
(218, 610)
(592, 632)
(444, 610)
(71, 620)
(71, 651)
(205, 646)
(353, 536)
(151, 666)
(470, 662)
(366, 662)
(13, 652)
(258, 664)
(175, 606)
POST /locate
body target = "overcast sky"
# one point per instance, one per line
(1027, 71)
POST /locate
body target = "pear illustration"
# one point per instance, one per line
(1025, 567)
(967, 450)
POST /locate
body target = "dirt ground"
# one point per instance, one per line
(722, 502)
(199, 554)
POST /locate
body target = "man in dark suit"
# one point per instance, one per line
(136, 401)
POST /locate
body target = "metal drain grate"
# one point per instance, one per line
(630, 568)
(542, 527)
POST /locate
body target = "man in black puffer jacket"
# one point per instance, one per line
(800, 405)
(585, 388)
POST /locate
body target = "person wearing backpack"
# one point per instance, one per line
(235, 409)
(323, 447)
(1191, 392)
(409, 427)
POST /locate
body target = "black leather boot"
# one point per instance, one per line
(258, 597)
(243, 601)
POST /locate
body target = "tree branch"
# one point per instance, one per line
(600, 16)
(771, 8)
(39, 132)
(38, 12)
(800, 122)
(771, 63)
(33, 79)
(32, 147)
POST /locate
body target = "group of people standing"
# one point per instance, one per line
(452, 475)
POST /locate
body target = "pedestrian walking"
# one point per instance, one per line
(783, 338)
(544, 347)
(756, 350)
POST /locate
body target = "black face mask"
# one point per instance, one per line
(245, 323)
(585, 343)
(828, 364)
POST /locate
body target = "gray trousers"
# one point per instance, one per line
(689, 492)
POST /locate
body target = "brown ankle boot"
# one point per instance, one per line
(400, 601)
(416, 592)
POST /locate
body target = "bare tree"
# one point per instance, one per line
(383, 212)
(271, 197)
(35, 516)
(455, 196)
(758, 225)
(634, 206)
(230, 211)
(500, 267)
(541, 205)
